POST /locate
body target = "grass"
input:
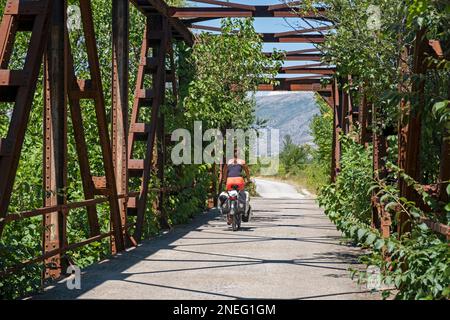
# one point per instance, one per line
(311, 178)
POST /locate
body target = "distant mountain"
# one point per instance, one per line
(290, 112)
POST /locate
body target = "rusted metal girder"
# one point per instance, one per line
(55, 141)
(157, 37)
(227, 4)
(59, 80)
(206, 28)
(311, 35)
(60, 83)
(337, 128)
(413, 130)
(274, 37)
(327, 97)
(306, 70)
(178, 28)
(342, 108)
(316, 78)
(259, 11)
(295, 38)
(99, 101)
(351, 112)
(162, 141)
(77, 90)
(303, 31)
(292, 56)
(286, 5)
(120, 56)
(138, 130)
(306, 84)
(20, 93)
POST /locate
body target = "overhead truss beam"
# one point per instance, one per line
(149, 7)
(274, 37)
(258, 12)
(306, 84)
(306, 70)
(299, 57)
(227, 4)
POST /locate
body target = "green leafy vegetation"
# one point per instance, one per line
(419, 263)
(416, 264)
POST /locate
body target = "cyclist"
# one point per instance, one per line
(232, 174)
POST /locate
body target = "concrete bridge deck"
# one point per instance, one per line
(289, 250)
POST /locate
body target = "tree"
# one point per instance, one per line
(228, 67)
(294, 157)
(321, 128)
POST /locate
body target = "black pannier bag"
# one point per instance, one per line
(224, 203)
(241, 201)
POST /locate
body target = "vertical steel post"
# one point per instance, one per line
(120, 52)
(343, 108)
(55, 139)
(102, 125)
(350, 107)
(336, 147)
(414, 128)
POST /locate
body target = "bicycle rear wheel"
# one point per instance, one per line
(234, 223)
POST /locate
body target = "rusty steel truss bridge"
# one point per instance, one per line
(165, 25)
